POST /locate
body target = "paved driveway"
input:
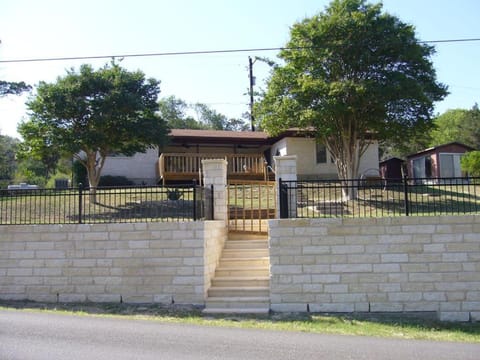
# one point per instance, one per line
(44, 336)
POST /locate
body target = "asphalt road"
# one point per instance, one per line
(45, 336)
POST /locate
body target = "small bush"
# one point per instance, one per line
(58, 175)
(109, 180)
(174, 194)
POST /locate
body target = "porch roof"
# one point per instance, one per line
(218, 137)
(432, 149)
(259, 138)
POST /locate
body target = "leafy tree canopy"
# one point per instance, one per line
(348, 73)
(175, 112)
(471, 163)
(92, 113)
(216, 121)
(13, 88)
(457, 125)
(8, 163)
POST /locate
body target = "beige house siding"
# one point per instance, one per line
(307, 167)
(369, 162)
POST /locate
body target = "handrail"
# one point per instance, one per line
(178, 165)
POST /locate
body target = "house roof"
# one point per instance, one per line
(218, 137)
(391, 159)
(440, 147)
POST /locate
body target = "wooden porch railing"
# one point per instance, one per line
(186, 166)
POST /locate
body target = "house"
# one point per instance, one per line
(442, 161)
(249, 156)
(139, 168)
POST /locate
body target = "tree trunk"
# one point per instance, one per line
(347, 162)
(94, 167)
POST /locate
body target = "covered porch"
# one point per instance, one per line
(176, 167)
(247, 154)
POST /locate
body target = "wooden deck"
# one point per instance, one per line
(175, 167)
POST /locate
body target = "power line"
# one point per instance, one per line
(448, 41)
(201, 52)
(179, 53)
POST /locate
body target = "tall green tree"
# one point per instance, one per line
(457, 125)
(174, 112)
(90, 114)
(350, 74)
(8, 163)
(217, 121)
(471, 163)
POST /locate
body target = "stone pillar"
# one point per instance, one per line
(286, 169)
(215, 173)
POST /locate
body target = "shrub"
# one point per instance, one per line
(174, 194)
(58, 175)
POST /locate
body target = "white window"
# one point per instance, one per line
(450, 165)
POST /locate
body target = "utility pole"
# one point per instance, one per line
(252, 82)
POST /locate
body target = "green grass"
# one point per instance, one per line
(49, 206)
(378, 325)
(326, 200)
(313, 200)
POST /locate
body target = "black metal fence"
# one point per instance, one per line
(188, 202)
(379, 197)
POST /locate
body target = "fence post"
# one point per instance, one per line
(283, 191)
(212, 203)
(215, 173)
(194, 200)
(286, 169)
(405, 193)
(80, 202)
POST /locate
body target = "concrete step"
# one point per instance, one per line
(242, 271)
(235, 281)
(263, 310)
(242, 279)
(237, 302)
(237, 305)
(244, 253)
(244, 262)
(239, 291)
(246, 244)
(246, 236)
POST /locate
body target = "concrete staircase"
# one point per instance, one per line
(242, 279)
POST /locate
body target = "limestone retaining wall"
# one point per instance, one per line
(138, 263)
(378, 265)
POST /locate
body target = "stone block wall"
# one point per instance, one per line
(136, 263)
(401, 264)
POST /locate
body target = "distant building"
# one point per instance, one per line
(249, 156)
(442, 161)
(392, 169)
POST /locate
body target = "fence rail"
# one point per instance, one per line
(379, 197)
(109, 205)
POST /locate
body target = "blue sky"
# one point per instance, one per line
(67, 28)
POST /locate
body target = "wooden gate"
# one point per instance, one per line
(250, 205)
